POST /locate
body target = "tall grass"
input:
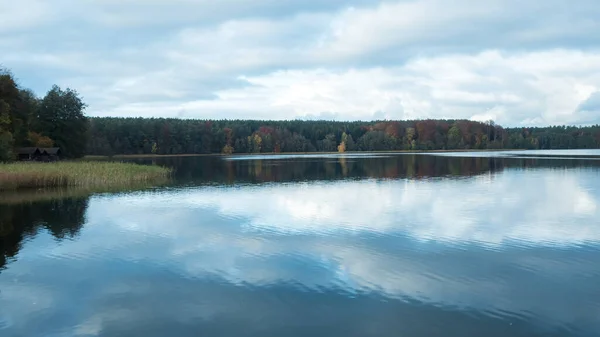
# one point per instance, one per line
(79, 174)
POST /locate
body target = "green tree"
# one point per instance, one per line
(410, 136)
(255, 143)
(61, 117)
(24, 114)
(347, 143)
(328, 144)
(8, 99)
(136, 135)
(4, 115)
(350, 145)
(6, 145)
(454, 137)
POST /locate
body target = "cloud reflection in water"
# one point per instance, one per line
(515, 246)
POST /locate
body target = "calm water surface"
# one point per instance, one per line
(325, 245)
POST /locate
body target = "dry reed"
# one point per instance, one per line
(78, 174)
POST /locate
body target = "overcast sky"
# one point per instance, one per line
(533, 62)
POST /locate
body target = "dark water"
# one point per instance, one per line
(385, 245)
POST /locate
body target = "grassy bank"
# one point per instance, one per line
(79, 174)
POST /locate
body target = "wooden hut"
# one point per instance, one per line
(29, 153)
(39, 153)
(50, 153)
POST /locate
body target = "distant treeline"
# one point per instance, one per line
(57, 119)
(109, 136)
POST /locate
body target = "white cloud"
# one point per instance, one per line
(22, 15)
(489, 85)
(452, 211)
(518, 63)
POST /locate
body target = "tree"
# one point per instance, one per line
(454, 137)
(136, 135)
(35, 139)
(8, 96)
(227, 149)
(24, 116)
(255, 143)
(61, 117)
(349, 142)
(376, 141)
(6, 145)
(328, 144)
(410, 136)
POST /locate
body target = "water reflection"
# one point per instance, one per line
(63, 218)
(506, 250)
(556, 207)
(259, 169)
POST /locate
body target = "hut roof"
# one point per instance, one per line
(28, 150)
(51, 150)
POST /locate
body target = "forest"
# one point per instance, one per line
(58, 119)
(111, 136)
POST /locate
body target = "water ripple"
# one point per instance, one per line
(484, 255)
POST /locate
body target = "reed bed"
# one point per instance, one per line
(95, 174)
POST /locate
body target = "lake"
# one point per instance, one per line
(447, 244)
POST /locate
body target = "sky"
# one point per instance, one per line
(519, 63)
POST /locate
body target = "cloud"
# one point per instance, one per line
(423, 210)
(518, 63)
(589, 110)
(510, 89)
(23, 15)
(434, 26)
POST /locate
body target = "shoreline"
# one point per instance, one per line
(141, 156)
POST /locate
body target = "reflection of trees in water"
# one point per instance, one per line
(201, 170)
(63, 218)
